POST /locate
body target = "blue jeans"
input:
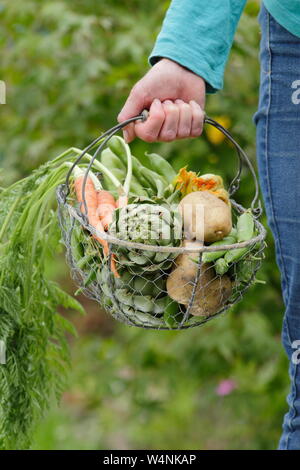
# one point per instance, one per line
(278, 153)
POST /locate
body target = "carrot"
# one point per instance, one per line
(91, 198)
(106, 207)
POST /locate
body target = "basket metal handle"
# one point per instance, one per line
(243, 158)
(256, 207)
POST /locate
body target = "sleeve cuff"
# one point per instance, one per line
(198, 66)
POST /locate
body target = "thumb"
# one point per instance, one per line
(133, 106)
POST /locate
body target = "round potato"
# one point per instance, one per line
(210, 298)
(205, 216)
(183, 276)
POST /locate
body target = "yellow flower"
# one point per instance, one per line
(188, 182)
(184, 180)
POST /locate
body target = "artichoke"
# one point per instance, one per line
(143, 221)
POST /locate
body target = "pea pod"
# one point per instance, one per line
(108, 185)
(245, 231)
(148, 178)
(111, 160)
(160, 165)
(139, 173)
(155, 181)
(116, 145)
(245, 227)
(221, 266)
(244, 272)
(117, 167)
(208, 257)
(232, 256)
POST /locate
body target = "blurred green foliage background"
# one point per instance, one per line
(69, 67)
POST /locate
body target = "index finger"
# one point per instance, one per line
(150, 129)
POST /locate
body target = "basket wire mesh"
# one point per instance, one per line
(159, 285)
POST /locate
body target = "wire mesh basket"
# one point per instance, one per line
(158, 282)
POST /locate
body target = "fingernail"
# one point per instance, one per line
(126, 136)
(156, 102)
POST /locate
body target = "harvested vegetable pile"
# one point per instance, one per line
(147, 268)
(126, 249)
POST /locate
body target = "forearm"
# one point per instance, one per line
(198, 34)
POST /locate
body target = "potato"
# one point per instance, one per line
(210, 224)
(182, 278)
(210, 298)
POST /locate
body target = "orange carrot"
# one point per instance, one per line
(106, 207)
(92, 213)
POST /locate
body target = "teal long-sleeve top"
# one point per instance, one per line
(198, 34)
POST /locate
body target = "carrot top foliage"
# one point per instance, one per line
(37, 355)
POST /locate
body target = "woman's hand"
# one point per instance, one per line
(175, 98)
